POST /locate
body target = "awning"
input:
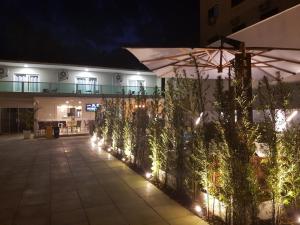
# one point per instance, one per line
(273, 43)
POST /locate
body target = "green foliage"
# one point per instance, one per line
(282, 164)
(128, 139)
(154, 130)
(238, 137)
(289, 165)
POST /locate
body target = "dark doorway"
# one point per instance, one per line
(12, 119)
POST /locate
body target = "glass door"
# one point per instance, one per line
(92, 85)
(19, 81)
(80, 85)
(33, 83)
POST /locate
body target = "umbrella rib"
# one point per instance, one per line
(269, 61)
(276, 67)
(170, 56)
(172, 63)
(266, 72)
(281, 59)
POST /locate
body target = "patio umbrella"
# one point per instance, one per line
(215, 61)
(283, 58)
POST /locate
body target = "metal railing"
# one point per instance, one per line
(70, 88)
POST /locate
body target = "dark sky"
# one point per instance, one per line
(93, 32)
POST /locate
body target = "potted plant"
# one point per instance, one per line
(27, 121)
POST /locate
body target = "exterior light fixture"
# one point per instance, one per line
(25, 65)
(67, 102)
(109, 149)
(148, 175)
(123, 159)
(138, 73)
(86, 70)
(198, 208)
(79, 102)
(298, 219)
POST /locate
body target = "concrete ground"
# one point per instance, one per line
(64, 182)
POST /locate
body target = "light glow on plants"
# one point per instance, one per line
(198, 120)
(289, 119)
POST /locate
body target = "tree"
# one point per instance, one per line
(239, 135)
(154, 132)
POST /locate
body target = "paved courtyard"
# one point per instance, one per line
(65, 182)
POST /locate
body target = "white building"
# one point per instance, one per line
(63, 94)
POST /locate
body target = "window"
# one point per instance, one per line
(26, 83)
(213, 13)
(135, 85)
(236, 2)
(86, 85)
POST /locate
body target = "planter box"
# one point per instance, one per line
(27, 134)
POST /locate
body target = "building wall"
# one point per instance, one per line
(222, 17)
(103, 78)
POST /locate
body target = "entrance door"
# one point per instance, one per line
(13, 120)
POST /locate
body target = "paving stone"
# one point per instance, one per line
(64, 182)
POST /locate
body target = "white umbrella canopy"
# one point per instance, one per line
(214, 61)
(280, 31)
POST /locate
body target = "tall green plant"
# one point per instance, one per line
(128, 130)
(282, 163)
(154, 129)
(239, 135)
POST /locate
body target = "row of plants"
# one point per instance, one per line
(197, 145)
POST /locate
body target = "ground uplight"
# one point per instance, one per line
(148, 175)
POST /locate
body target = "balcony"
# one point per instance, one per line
(69, 89)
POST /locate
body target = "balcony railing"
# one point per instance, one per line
(70, 88)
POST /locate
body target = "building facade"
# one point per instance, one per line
(63, 95)
(224, 17)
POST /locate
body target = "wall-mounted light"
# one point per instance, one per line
(25, 65)
(86, 70)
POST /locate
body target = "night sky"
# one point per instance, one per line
(94, 32)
